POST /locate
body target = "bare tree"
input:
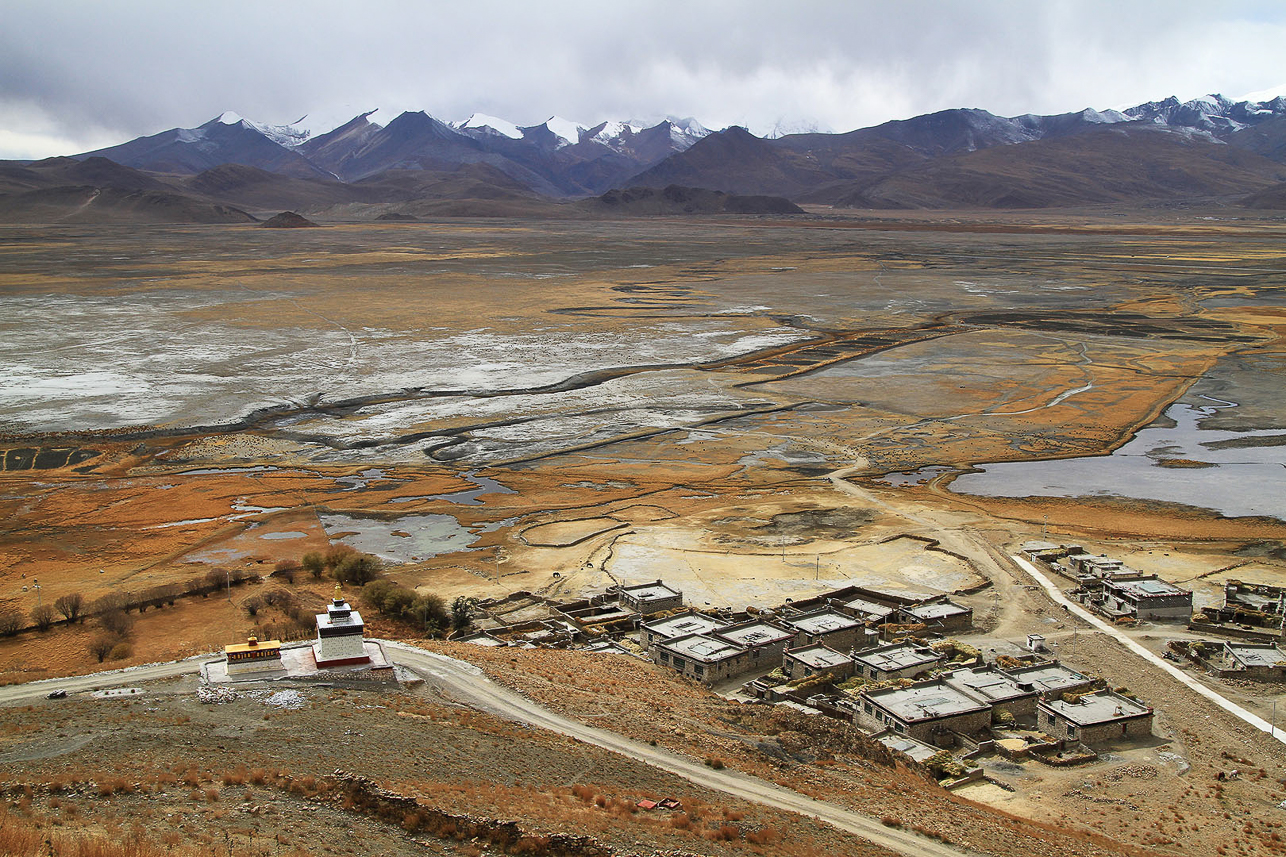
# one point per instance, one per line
(116, 622)
(10, 623)
(43, 616)
(110, 601)
(71, 605)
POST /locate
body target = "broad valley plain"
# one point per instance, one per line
(755, 410)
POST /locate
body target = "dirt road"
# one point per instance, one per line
(467, 684)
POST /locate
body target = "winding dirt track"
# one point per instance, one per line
(468, 685)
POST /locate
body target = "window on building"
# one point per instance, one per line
(698, 669)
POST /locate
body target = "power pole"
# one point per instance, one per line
(35, 584)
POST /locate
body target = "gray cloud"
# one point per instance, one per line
(83, 74)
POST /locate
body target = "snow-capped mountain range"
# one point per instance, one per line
(564, 158)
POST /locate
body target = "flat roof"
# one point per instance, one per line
(988, 683)
(1256, 656)
(819, 657)
(823, 622)
(898, 656)
(894, 593)
(936, 611)
(874, 608)
(699, 647)
(924, 702)
(1096, 708)
(1150, 588)
(754, 634)
(1047, 677)
(917, 750)
(650, 591)
(683, 624)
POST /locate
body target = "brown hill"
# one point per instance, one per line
(287, 220)
(685, 200)
(69, 172)
(250, 187)
(736, 161)
(87, 204)
(468, 181)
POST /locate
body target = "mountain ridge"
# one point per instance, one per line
(1211, 148)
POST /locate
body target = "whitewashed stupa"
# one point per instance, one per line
(339, 635)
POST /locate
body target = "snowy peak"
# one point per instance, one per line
(1212, 113)
(614, 135)
(565, 130)
(685, 132)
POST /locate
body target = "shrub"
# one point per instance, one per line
(375, 594)
(314, 564)
(101, 646)
(121, 651)
(335, 555)
(429, 610)
(286, 570)
(358, 569)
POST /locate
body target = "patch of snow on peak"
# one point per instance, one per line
(783, 127)
(565, 129)
(483, 122)
(690, 125)
(283, 135)
(1103, 117)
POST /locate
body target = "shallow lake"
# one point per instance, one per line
(1245, 472)
(425, 535)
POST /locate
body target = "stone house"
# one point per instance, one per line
(927, 711)
(990, 685)
(828, 626)
(648, 598)
(679, 625)
(816, 660)
(940, 614)
(1101, 717)
(895, 660)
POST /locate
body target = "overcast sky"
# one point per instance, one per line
(79, 75)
